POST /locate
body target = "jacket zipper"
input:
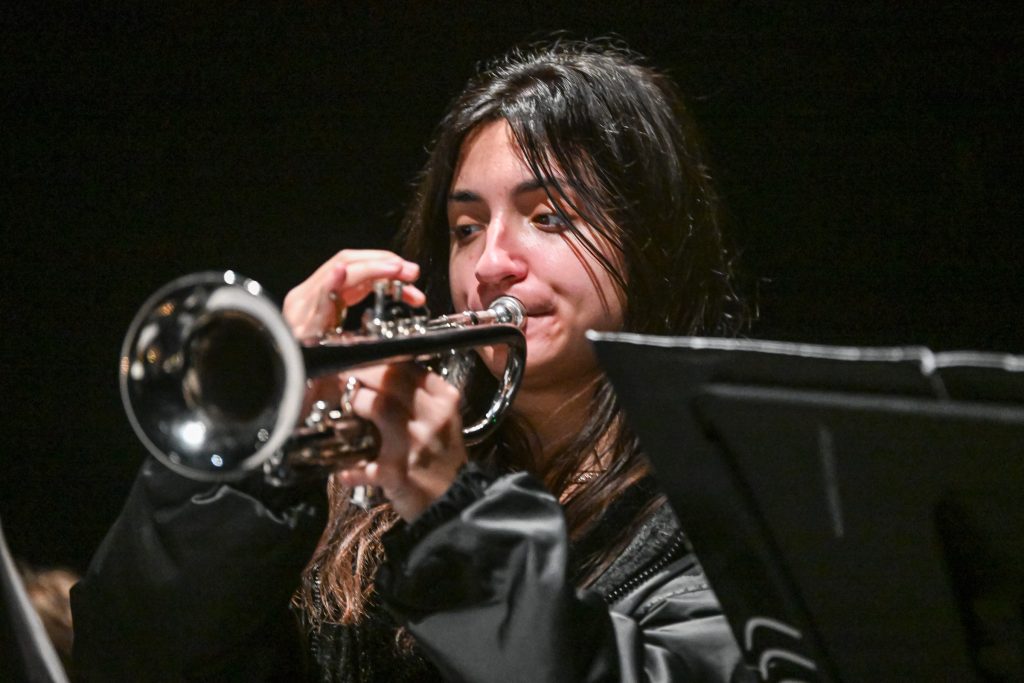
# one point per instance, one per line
(314, 636)
(670, 555)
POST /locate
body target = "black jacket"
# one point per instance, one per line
(194, 582)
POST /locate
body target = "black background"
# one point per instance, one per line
(869, 156)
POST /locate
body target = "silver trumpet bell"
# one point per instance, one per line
(215, 385)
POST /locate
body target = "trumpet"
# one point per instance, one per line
(215, 385)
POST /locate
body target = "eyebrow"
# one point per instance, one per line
(531, 185)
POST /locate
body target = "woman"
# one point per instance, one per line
(571, 178)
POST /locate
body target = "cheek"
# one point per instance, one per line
(599, 301)
(457, 273)
(608, 297)
(613, 304)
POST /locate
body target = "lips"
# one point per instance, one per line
(536, 312)
(533, 309)
(537, 323)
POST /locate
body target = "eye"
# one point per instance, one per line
(552, 222)
(461, 233)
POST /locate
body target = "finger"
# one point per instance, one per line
(354, 257)
(436, 403)
(428, 444)
(398, 451)
(308, 308)
(373, 473)
(354, 476)
(347, 282)
(413, 296)
(328, 308)
(379, 476)
(404, 394)
(359, 276)
(435, 384)
(330, 273)
(330, 304)
(409, 271)
(349, 256)
(398, 381)
(388, 413)
(354, 293)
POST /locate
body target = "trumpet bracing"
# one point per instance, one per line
(215, 385)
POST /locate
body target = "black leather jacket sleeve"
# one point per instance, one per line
(481, 581)
(193, 582)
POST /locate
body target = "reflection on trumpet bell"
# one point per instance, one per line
(214, 383)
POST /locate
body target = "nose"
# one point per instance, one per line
(503, 260)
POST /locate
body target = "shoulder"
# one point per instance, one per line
(662, 600)
(657, 571)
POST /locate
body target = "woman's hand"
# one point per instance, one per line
(415, 411)
(421, 445)
(313, 307)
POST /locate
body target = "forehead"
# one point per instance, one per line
(490, 157)
(489, 149)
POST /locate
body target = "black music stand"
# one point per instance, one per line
(859, 512)
(26, 653)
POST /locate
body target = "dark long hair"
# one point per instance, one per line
(619, 134)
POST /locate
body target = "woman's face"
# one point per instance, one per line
(507, 238)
